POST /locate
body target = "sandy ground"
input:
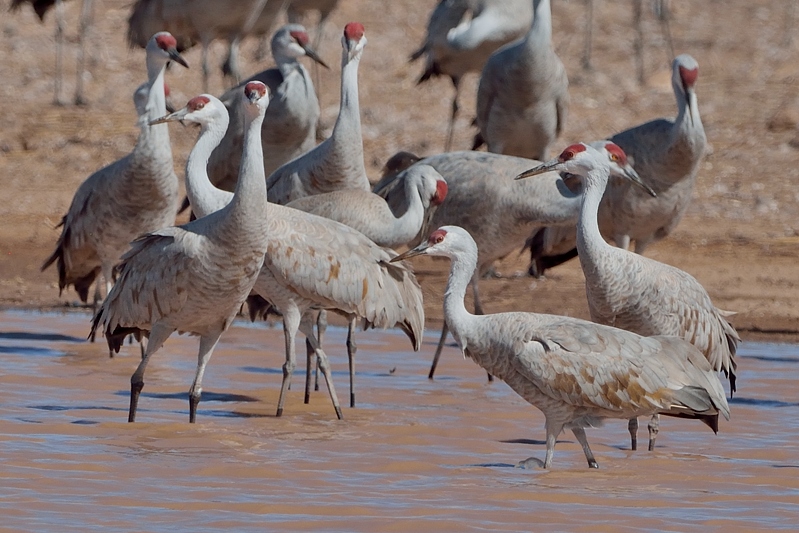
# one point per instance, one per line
(739, 237)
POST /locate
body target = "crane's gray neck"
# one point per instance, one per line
(540, 34)
(287, 65)
(349, 115)
(250, 194)
(460, 274)
(589, 238)
(153, 141)
(203, 195)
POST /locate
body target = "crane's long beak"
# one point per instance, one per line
(540, 169)
(310, 52)
(175, 56)
(413, 252)
(172, 117)
(632, 175)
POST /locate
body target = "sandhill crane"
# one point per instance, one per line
(370, 214)
(661, 9)
(336, 163)
(632, 292)
(194, 278)
(290, 124)
(461, 34)
(523, 96)
(576, 372)
(311, 262)
(133, 195)
(203, 21)
(484, 198)
(666, 154)
(41, 7)
(296, 11)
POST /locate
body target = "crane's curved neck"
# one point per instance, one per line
(410, 222)
(461, 271)
(287, 64)
(589, 239)
(204, 197)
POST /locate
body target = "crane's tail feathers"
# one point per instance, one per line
(710, 420)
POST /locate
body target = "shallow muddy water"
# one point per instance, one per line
(432, 455)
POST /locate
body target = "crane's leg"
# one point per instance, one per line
(456, 82)
(291, 323)
(321, 328)
(552, 435)
(231, 65)
(632, 427)
(207, 345)
(313, 363)
(638, 43)
(158, 335)
(310, 355)
(581, 438)
(589, 25)
(59, 50)
(85, 23)
(664, 15)
(441, 341)
(324, 365)
(352, 349)
(206, 43)
(654, 427)
(478, 306)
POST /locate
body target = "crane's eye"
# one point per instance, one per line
(614, 157)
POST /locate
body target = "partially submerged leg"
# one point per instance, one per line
(581, 438)
(441, 341)
(291, 322)
(654, 427)
(352, 349)
(324, 365)
(158, 335)
(632, 427)
(207, 344)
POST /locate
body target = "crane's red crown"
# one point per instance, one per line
(616, 153)
(197, 103)
(353, 31)
(166, 41)
(571, 152)
(688, 76)
(255, 87)
(437, 236)
(300, 36)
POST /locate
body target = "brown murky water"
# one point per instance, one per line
(436, 455)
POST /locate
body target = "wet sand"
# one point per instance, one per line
(414, 453)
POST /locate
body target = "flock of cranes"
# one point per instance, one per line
(301, 226)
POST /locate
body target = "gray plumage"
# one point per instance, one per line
(129, 197)
(336, 163)
(203, 21)
(311, 262)
(484, 198)
(523, 96)
(576, 372)
(666, 154)
(632, 292)
(371, 215)
(462, 34)
(290, 126)
(193, 278)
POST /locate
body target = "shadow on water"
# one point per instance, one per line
(30, 350)
(207, 396)
(758, 402)
(770, 359)
(49, 337)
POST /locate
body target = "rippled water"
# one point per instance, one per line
(435, 455)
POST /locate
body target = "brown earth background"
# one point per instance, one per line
(739, 237)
